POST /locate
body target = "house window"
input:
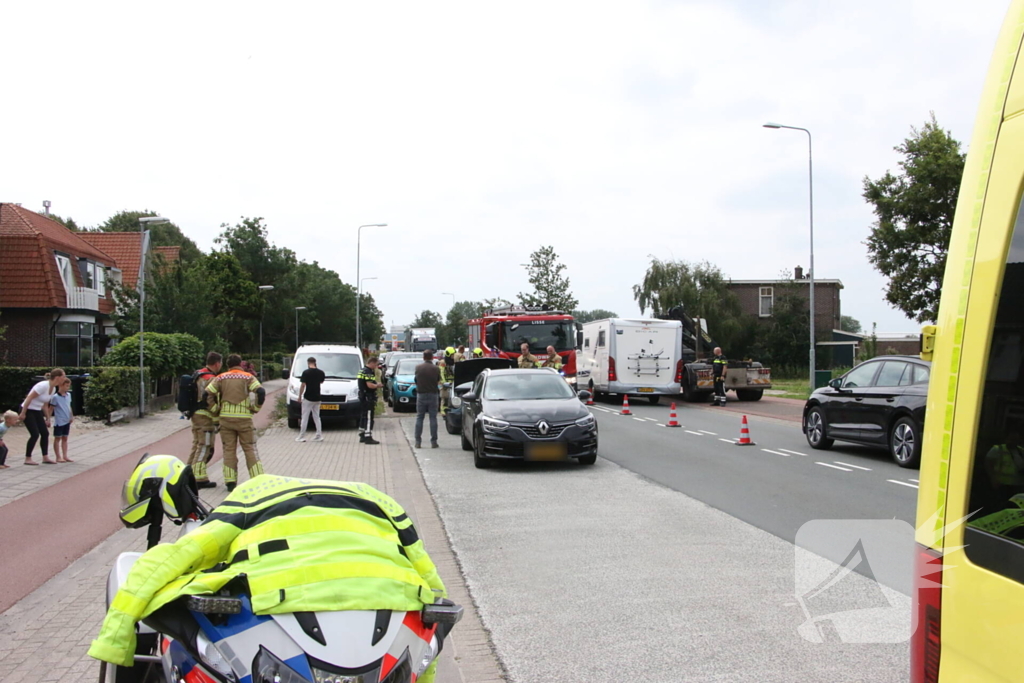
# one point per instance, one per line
(765, 301)
(88, 270)
(101, 280)
(64, 268)
(73, 344)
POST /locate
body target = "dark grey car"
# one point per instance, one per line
(880, 402)
(526, 414)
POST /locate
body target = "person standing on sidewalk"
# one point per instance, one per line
(309, 393)
(719, 369)
(230, 391)
(367, 401)
(10, 419)
(428, 397)
(60, 406)
(35, 413)
(204, 422)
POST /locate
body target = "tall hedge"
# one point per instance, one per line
(108, 388)
(167, 355)
(15, 383)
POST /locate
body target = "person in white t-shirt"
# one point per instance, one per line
(35, 413)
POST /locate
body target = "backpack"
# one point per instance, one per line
(188, 391)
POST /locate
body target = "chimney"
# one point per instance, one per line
(798, 273)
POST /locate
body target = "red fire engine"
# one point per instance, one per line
(500, 333)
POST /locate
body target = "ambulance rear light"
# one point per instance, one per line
(679, 371)
(612, 377)
(925, 642)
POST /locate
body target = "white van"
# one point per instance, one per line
(631, 356)
(340, 392)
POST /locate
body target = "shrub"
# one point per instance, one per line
(111, 389)
(167, 355)
(15, 383)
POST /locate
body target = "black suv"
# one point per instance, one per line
(880, 402)
(526, 414)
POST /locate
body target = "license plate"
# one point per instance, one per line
(546, 451)
(329, 406)
(646, 390)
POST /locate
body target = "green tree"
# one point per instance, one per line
(68, 222)
(427, 318)
(550, 287)
(596, 314)
(782, 340)
(848, 323)
(160, 235)
(915, 208)
(453, 331)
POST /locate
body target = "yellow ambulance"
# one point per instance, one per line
(969, 601)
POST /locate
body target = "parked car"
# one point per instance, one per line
(389, 370)
(402, 385)
(526, 414)
(465, 372)
(879, 403)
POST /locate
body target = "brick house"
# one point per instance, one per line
(757, 297)
(55, 298)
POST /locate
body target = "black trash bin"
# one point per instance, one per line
(78, 383)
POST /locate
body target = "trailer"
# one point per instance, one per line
(638, 357)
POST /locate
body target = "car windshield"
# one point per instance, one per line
(407, 366)
(334, 365)
(526, 386)
(393, 359)
(539, 334)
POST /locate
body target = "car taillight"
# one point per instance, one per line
(679, 371)
(925, 642)
(612, 377)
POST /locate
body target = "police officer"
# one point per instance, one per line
(527, 359)
(367, 401)
(229, 392)
(553, 359)
(447, 367)
(204, 423)
(719, 369)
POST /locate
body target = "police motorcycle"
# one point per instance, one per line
(218, 638)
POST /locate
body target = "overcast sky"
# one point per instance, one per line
(479, 131)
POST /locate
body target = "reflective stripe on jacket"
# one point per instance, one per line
(719, 365)
(305, 546)
(230, 391)
(553, 361)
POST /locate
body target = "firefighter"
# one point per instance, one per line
(307, 545)
(368, 401)
(719, 370)
(478, 352)
(447, 366)
(230, 402)
(527, 359)
(553, 360)
(204, 423)
(460, 355)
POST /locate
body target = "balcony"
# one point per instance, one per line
(83, 298)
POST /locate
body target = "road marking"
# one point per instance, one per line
(786, 450)
(694, 433)
(727, 440)
(775, 452)
(856, 467)
(704, 431)
(916, 481)
(901, 483)
(638, 419)
(661, 425)
(835, 467)
(651, 419)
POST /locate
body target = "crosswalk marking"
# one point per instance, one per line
(835, 467)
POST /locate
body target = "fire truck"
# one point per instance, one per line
(500, 333)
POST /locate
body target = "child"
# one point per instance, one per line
(10, 419)
(61, 403)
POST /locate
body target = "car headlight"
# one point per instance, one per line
(586, 421)
(571, 380)
(402, 387)
(456, 402)
(267, 668)
(492, 425)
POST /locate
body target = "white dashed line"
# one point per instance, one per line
(835, 467)
(901, 483)
(916, 481)
(786, 450)
(694, 433)
(786, 455)
(704, 431)
(651, 419)
(661, 425)
(856, 467)
(640, 419)
(727, 440)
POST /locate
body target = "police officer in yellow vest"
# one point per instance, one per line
(304, 545)
(204, 423)
(719, 370)
(229, 397)
(553, 359)
(527, 359)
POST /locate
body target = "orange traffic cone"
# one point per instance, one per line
(672, 421)
(744, 434)
(590, 399)
(625, 405)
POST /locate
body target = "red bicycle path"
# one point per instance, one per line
(42, 533)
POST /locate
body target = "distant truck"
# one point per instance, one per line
(420, 339)
(631, 356)
(747, 378)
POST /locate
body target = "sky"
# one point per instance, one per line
(613, 131)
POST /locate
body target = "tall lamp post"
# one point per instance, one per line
(263, 308)
(810, 273)
(452, 296)
(360, 296)
(144, 222)
(359, 291)
(297, 309)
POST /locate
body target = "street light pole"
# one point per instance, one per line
(143, 244)
(263, 309)
(297, 309)
(452, 296)
(359, 291)
(810, 273)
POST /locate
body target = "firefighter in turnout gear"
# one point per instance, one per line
(553, 360)
(719, 369)
(367, 401)
(527, 359)
(229, 392)
(478, 353)
(447, 367)
(204, 423)
(304, 545)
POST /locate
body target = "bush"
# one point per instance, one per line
(167, 355)
(112, 389)
(15, 383)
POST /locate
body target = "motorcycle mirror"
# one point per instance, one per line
(441, 614)
(207, 604)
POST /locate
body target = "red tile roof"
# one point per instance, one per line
(16, 220)
(124, 247)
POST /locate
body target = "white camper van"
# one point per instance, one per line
(626, 356)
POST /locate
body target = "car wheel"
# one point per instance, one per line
(479, 459)
(449, 427)
(466, 445)
(749, 394)
(653, 400)
(905, 443)
(816, 430)
(689, 395)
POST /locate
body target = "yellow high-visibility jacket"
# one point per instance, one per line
(305, 545)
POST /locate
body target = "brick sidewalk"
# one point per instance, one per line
(44, 637)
